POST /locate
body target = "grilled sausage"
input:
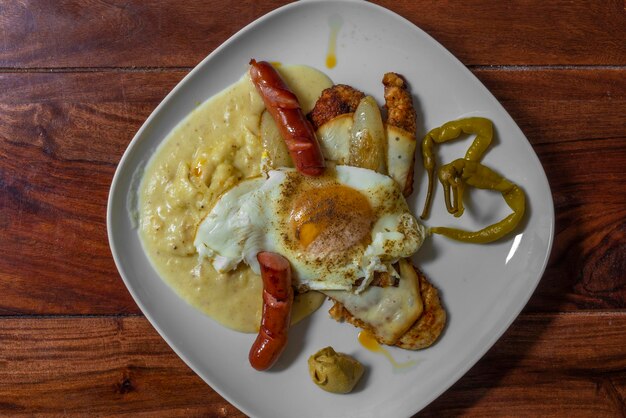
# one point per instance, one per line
(277, 302)
(294, 127)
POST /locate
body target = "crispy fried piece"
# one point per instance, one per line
(401, 126)
(334, 101)
(424, 331)
(402, 115)
(399, 103)
(340, 314)
(428, 327)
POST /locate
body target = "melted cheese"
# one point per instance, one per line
(388, 311)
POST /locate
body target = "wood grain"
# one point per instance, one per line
(61, 138)
(92, 33)
(158, 33)
(544, 365)
(523, 32)
(95, 367)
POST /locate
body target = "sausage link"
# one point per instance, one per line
(294, 127)
(277, 302)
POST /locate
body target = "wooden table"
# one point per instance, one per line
(78, 78)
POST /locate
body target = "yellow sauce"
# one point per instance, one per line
(368, 341)
(211, 150)
(331, 56)
(331, 60)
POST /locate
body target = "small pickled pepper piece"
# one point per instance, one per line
(334, 372)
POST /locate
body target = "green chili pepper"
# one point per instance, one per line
(480, 176)
(456, 175)
(482, 127)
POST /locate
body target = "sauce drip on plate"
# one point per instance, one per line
(368, 341)
(334, 22)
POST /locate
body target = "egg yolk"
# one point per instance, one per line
(331, 219)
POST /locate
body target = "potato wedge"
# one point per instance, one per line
(368, 139)
(334, 138)
(274, 147)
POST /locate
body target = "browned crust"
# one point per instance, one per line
(334, 101)
(424, 331)
(399, 103)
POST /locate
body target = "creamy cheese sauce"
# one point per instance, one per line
(210, 151)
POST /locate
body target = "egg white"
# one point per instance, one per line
(246, 220)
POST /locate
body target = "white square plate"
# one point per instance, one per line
(483, 287)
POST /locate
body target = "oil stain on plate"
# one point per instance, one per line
(334, 22)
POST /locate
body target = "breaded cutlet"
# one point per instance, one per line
(334, 101)
(399, 103)
(424, 331)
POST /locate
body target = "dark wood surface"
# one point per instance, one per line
(78, 78)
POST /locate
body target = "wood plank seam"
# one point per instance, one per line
(157, 69)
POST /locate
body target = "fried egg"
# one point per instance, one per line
(336, 230)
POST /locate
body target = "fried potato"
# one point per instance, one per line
(339, 112)
(274, 148)
(368, 140)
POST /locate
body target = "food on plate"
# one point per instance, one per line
(423, 332)
(220, 143)
(367, 137)
(468, 171)
(392, 305)
(334, 372)
(388, 310)
(277, 301)
(337, 100)
(399, 103)
(335, 115)
(248, 197)
(481, 127)
(388, 323)
(429, 326)
(337, 230)
(401, 131)
(284, 107)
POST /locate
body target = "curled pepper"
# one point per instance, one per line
(482, 127)
(462, 172)
(477, 175)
